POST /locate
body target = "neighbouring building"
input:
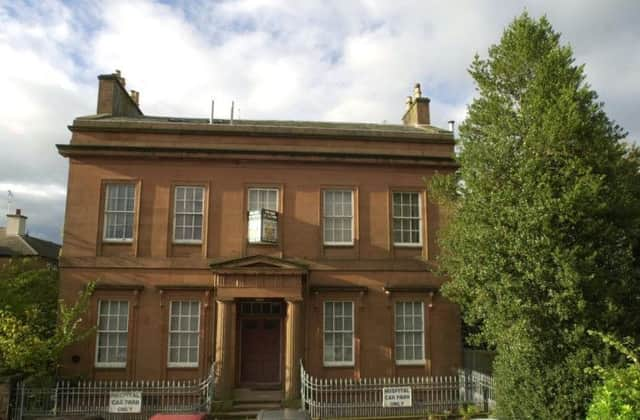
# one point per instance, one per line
(15, 242)
(255, 244)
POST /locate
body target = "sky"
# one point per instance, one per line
(324, 60)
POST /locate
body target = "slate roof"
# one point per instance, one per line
(275, 123)
(26, 246)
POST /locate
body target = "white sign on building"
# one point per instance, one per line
(396, 396)
(263, 226)
(255, 226)
(125, 401)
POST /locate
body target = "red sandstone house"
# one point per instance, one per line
(255, 244)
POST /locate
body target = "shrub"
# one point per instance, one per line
(619, 395)
(35, 326)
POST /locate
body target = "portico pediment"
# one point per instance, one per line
(258, 264)
(258, 276)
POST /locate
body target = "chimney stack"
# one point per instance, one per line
(16, 224)
(417, 112)
(114, 99)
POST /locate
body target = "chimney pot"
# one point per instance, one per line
(409, 102)
(417, 92)
(120, 78)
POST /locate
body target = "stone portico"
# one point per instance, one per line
(243, 288)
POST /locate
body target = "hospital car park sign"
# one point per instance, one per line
(125, 401)
(396, 396)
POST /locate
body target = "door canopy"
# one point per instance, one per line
(258, 276)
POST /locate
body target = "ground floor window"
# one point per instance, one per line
(409, 333)
(184, 333)
(338, 333)
(112, 333)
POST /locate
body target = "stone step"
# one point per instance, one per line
(256, 405)
(256, 395)
(237, 415)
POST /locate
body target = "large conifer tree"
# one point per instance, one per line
(543, 242)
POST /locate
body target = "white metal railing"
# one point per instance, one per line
(326, 398)
(478, 389)
(73, 398)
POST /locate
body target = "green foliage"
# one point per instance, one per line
(619, 395)
(34, 326)
(543, 242)
(468, 412)
(29, 291)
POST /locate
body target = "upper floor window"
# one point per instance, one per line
(112, 333)
(407, 221)
(263, 198)
(338, 217)
(338, 334)
(409, 333)
(119, 211)
(188, 214)
(184, 333)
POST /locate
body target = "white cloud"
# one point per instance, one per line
(32, 190)
(320, 60)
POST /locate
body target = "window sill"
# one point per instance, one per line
(407, 245)
(338, 244)
(175, 242)
(263, 243)
(110, 365)
(182, 366)
(338, 364)
(411, 362)
(117, 241)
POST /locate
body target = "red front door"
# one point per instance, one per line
(260, 351)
